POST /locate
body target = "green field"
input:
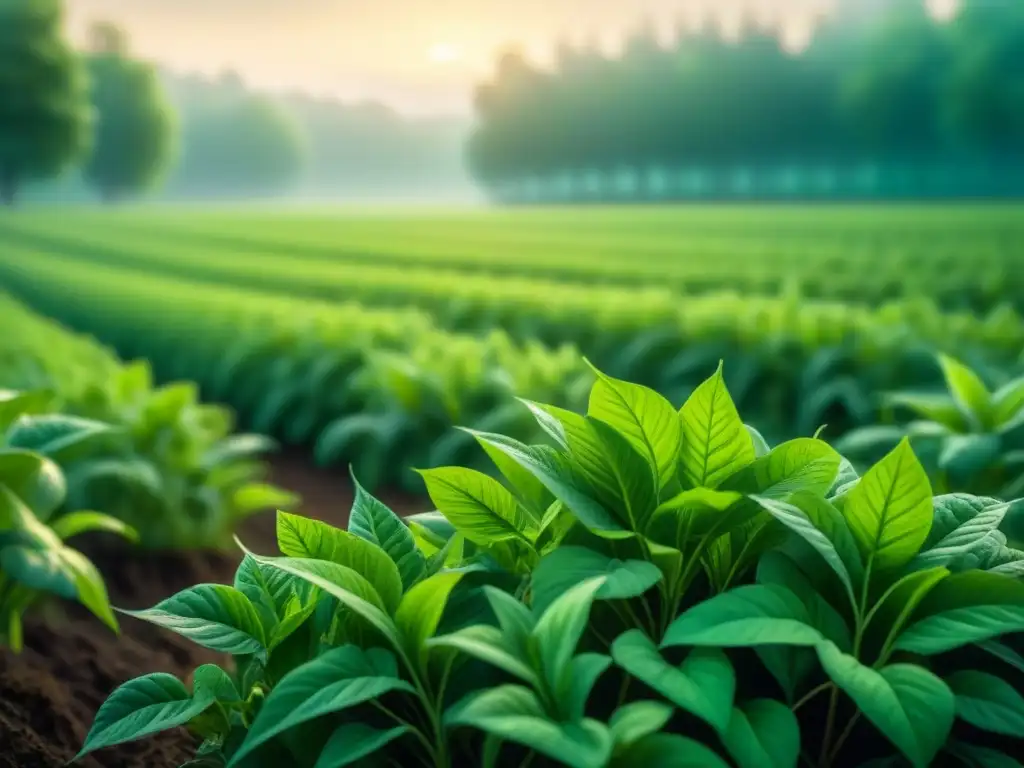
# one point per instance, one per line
(343, 328)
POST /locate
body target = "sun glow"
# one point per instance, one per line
(444, 53)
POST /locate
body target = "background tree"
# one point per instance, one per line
(135, 125)
(44, 107)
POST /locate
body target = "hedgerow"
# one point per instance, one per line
(648, 587)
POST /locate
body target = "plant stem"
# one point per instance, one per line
(623, 689)
(810, 695)
(830, 724)
(844, 736)
(650, 615)
(420, 736)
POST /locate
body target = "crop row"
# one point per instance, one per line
(371, 384)
(951, 260)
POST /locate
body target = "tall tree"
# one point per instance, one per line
(135, 129)
(44, 107)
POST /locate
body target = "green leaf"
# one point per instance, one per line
(704, 685)
(974, 756)
(15, 404)
(668, 750)
(350, 589)
(534, 496)
(968, 390)
(339, 679)
(141, 707)
(567, 566)
(763, 734)
(514, 713)
(965, 608)
(300, 537)
(693, 514)
(761, 447)
(779, 569)
(374, 521)
(421, 610)
(792, 515)
(645, 418)
(634, 482)
(90, 589)
(34, 479)
(890, 616)
(965, 537)
(354, 741)
(912, 707)
(75, 523)
(560, 628)
(804, 464)
(488, 644)
(988, 702)
(582, 675)
(55, 435)
(759, 614)
(1007, 402)
(890, 510)
(210, 681)
(214, 616)
(479, 507)
(1003, 653)
(632, 722)
(715, 442)
(935, 408)
(269, 587)
(550, 469)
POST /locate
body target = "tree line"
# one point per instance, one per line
(898, 94)
(102, 122)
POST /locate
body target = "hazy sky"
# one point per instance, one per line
(416, 55)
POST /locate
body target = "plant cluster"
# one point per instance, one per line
(970, 438)
(648, 587)
(171, 468)
(35, 561)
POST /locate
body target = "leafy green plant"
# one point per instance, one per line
(651, 586)
(971, 439)
(35, 561)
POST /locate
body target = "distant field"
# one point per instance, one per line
(964, 257)
(814, 309)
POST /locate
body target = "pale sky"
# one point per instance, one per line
(419, 56)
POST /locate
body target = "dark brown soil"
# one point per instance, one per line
(49, 693)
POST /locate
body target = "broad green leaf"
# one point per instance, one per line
(964, 457)
(514, 713)
(560, 628)
(632, 722)
(668, 750)
(1001, 652)
(550, 469)
(551, 419)
(694, 514)
(907, 703)
(988, 702)
(935, 408)
(535, 497)
(350, 589)
(1007, 402)
(515, 619)
(269, 587)
(214, 616)
(210, 681)
(567, 566)
(352, 742)
(140, 708)
(792, 515)
(488, 644)
(779, 569)
(420, 612)
(715, 442)
(55, 435)
(479, 507)
(965, 608)
(14, 404)
(966, 537)
(301, 537)
(634, 481)
(75, 523)
(761, 447)
(90, 589)
(758, 614)
(34, 479)
(374, 521)
(968, 390)
(890, 510)
(703, 685)
(763, 734)
(644, 417)
(339, 679)
(804, 464)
